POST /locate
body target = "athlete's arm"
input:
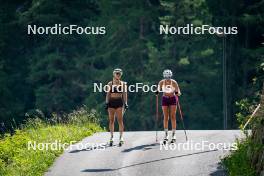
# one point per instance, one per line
(107, 97)
(159, 88)
(177, 88)
(125, 92)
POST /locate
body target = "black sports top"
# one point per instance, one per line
(116, 88)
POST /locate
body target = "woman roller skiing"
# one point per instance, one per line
(170, 89)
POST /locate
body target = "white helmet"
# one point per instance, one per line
(167, 74)
(118, 70)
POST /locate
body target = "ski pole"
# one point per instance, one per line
(157, 116)
(179, 106)
(124, 111)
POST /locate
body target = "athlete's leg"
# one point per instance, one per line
(111, 114)
(165, 110)
(119, 114)
(173, 118)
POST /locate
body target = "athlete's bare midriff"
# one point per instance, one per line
(168, 94)
(115, 95)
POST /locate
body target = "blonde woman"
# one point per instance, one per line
(116, 102)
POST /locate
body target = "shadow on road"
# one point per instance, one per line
(147, 162)
(92, 148)
(98, 170)
(141, 147)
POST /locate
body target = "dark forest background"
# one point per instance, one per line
(55, 73)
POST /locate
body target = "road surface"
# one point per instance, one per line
(141, 155)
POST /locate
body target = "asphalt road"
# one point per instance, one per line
(141, 155)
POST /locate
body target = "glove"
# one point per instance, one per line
(126, 106)
(178, 94)
(106, 105)
(157, 92)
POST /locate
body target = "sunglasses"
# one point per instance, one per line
(118, 73)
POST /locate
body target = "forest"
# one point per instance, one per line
(54, 74)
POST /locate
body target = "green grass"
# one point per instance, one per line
(238, 162)
(16, 159)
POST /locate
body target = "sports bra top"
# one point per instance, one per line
(116, 88)
(168, 88)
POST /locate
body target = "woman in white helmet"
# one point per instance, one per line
(171, 91)
(116, 101)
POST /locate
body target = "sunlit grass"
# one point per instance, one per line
(16, 159)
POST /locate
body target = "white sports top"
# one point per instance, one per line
(168, 88)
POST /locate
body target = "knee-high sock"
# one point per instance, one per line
(173, 132)
(166, 131)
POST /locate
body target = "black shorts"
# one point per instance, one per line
(115, 103)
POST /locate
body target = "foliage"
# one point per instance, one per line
(249, 155)
(17, 159)
(244, 111)
(55, 73)
(239, 161)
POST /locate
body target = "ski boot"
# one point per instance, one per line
(111, 142)
(121, 142)
(166, 139)
(173, 139)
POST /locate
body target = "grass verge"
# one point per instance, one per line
(16, 159)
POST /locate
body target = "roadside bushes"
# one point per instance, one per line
(248, 160)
